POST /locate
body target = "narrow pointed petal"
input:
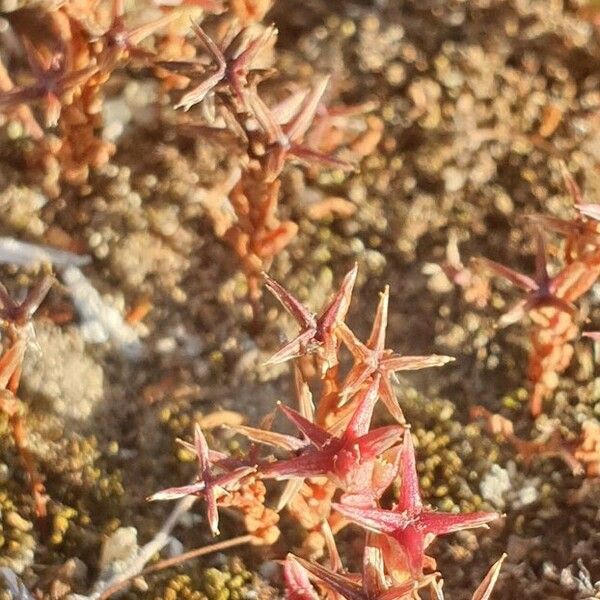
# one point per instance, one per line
(388, 397)
(140, 33)
(232, 479)
(555, 302)
(411, 543)
(593, 335)
(375, 519)
(359, 351)
(360, 421)
(356, 378)
(309, 155)
(484, 591)
(310, 464)
(514, 314)
(522, 281)
(199, 93)
(590, 210)
(17, 96)
(335, 560)
(296, 309)
(299, 124)
(338, 583)
(541, 268)
(297, 583)
(317, 436)
(376, 340)
(270, 438)
(212, 512)
(284, 110)
(201, 448)
(266, 119)
(10, 362)
(570, 184)
(443, 523)
(374, 582)
(379, 440)
(306, 405)
(414, 363)
(293, 349)
(213, 455)
(174, 493)
(35, 297)
(557, 225)
(290, 491)
(409, 497)
(336, 310)
(212, 48)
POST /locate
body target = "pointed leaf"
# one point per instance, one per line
(379, 440)
(270, 438)
(335, 311)
(299, 346)
(360, 422)
(338, 583)
(484, 591)
(376, 339)
(315, 434)
(310, 464)
(174, 493)
(299, 124)
(409, 498)
(296, 309)
(375, 519)
(388, 397)
(522, 281)
(438, 523)
(414, 363)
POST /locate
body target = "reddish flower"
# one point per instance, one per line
(56, 81)
(541, 289)
(409, 524)
(371, 585)
(285, 140)
(19, 314)
(232, 65)
(208, 485)
(317, 333)
(350, 460)
(373, 358)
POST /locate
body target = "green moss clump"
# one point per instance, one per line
(452, 457)
(229, 582)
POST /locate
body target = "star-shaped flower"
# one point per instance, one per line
(232, 65)
(285, 140)
(371, 585)
(541, 289)
(317, 333)
(372, 358)
(19, 314)
(55, 81)
(121, 41)
(409, 526)
(351, 460)
(485, 588)
(210, 486)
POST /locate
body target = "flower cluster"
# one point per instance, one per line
(74, 49)
(549, 301)
(339, 467)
